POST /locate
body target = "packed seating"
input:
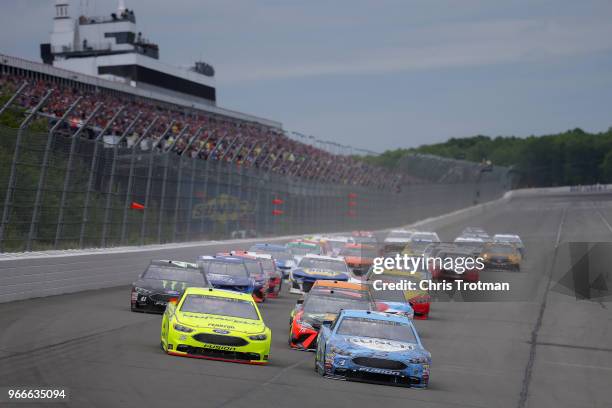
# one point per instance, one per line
(208, 136)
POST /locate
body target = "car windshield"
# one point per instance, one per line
(359, 252)
(500, 249)
(513, 240)
(320, 304)
(301, 250)
(323, 264)
(227, 268)
(254, 267)
(424, 236)
(221, 306)
(169, 273)
(376, 328)
(268, 265)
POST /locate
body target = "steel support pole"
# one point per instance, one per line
(128, 194)
(164, 180)
(43, 175)
(150, 181)
(180, 181)
(111, 180)
(13, 97)
(67, 176)
(194, 161)
(10, 188)
(90, 181)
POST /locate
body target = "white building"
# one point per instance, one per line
(111, 47)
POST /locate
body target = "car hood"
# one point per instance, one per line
(228, 323)
(319, 274)
(317, 319)
(384, 348)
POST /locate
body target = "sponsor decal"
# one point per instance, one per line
(380, 344)
(379, 371)
(221, 331)
(219, 347)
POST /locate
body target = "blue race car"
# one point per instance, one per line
(372, 347)
(281, 255)
(317, 267)
(227, 272)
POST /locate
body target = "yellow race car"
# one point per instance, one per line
(215, 324)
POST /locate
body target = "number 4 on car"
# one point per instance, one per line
(215, 324)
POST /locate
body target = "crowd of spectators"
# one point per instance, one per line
(196, 133)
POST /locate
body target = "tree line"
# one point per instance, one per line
(574, 157)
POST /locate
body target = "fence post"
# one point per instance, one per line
(73, 141)
(10, 188)
(194, 161)
(13, 97)
(111, 180)
(164, 179)
(94, 163)
(128, 194)
(180, 180)
(150, 180)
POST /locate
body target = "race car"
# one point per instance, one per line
(476, 232)
(365, 237)
(215, 324)
(272, 273)
(324, 303)
(300, 248)
(372, 347)
(393, 301)
(314, 267)
(510, 239)
(163, 280)
(358, 257)
(501, 256)
(256, 271)
(333, 245)
(424, 236)
(398, 236)
(455, 257)
(228, 272)
(281, 255)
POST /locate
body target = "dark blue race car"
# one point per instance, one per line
(372, 347)
(227, 272)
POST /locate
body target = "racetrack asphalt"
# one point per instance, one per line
(534, 347)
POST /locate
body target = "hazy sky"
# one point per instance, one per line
(379, 74)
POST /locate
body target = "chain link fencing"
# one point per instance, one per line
(69, 191)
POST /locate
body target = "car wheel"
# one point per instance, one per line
(320, 371)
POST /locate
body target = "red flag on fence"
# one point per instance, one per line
(352, 195)
(277, 212)
(137, 206)
(277, 201)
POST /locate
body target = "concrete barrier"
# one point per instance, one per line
(38, 274)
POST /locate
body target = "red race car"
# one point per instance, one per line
(461, 269)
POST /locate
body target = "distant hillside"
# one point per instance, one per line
(572, 157)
